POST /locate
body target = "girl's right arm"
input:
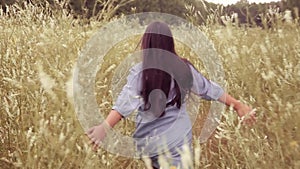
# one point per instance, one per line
(212, 91)
(242, 109)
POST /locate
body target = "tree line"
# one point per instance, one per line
(199, 11)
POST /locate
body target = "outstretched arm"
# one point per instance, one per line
(97, 133)
(212, 91)
(243, 110)
(113, 118)
(126, 103)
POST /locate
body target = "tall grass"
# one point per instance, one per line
(38, 124)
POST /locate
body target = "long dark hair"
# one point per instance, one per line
(161, 65)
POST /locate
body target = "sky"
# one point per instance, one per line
(227, 2)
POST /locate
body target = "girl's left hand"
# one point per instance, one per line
(97, 134)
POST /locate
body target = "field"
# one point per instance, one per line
(39, 129)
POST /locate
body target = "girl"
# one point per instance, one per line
(158, 88)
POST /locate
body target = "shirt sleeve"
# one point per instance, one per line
(129, 99)
(205, 88)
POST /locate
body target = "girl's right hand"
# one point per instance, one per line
(246, 113)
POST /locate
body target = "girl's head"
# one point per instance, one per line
(161, 66)
(158, 35)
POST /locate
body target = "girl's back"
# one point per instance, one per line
(172, 129)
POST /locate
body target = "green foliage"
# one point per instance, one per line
(198, 11)
(38, 127)
(248, 12)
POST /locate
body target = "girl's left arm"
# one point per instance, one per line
(125, 104)
(97, 133)
(113, 118)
